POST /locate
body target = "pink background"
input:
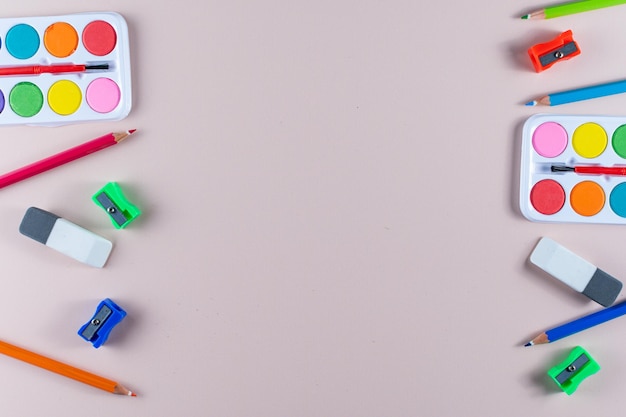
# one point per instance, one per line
(331, 222)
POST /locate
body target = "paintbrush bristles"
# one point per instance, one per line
(97, 67)
(561, 168)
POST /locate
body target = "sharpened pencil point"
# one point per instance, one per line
(532, 103)
(132, 394)
(526, 16)
(131, 131)
(529, 344)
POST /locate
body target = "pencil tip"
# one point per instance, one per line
(528, 344)
(132, 394)
(532, 103)
(525, 16)
(131, 131)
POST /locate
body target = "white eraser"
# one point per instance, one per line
(65, 237)
(574, 271)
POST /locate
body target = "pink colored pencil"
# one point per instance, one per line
(63, 157)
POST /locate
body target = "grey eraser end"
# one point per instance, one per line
(37, 224)
(603, 288)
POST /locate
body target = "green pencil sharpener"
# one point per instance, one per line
(573, 370)
(121, 211)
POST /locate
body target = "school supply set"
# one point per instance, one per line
(54, 71)
(573, 170)
(563, 48)
(583, 277)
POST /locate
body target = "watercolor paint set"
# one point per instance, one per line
(57, 70)
(573, 169)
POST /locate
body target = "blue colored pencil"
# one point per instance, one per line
(580, 324)
(579, 94)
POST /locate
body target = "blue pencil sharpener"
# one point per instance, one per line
(107, 316)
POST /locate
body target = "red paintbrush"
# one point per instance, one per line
(50, 69)
(591, 169)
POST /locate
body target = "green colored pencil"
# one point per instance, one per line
(571, 8)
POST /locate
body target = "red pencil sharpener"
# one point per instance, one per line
(561, 48)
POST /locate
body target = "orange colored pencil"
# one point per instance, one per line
(64, 369)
